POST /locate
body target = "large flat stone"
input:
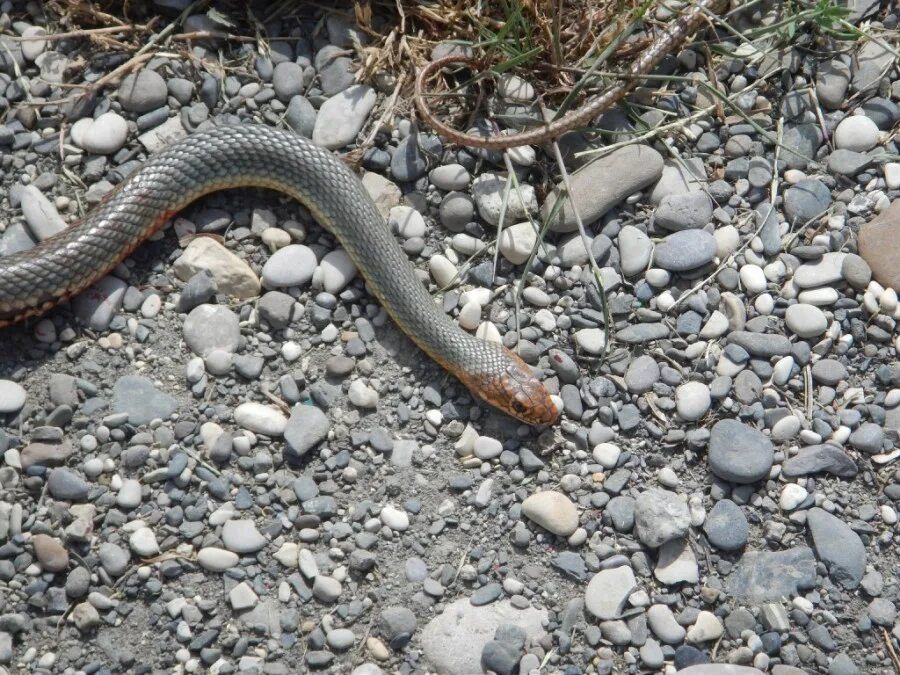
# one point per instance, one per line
(879, 245)
(769, 576)
(603, 183)
(452, 641)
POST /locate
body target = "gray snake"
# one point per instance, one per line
(33, 281)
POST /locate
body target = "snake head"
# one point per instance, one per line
(512, 387)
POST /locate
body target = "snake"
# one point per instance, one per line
(247, 155)
(675, 33)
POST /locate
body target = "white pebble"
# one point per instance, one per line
(394, 518)
(764, 304)
(888, 301)
(362, 395)
(470, 315)
(143, 542)
(753, 279)
(792, 495)
(443, 271)
(857, 133)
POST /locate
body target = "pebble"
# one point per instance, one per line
(487, 191)
(306, 428)
(104, 135)
(726, 526)
(260, 418)
(209, 327)
(216, 559)
(838, 546)
(41, 216)
(449, 177)
(129, 495)
(66, 485)
(685, 250)
(635, 250)
(12, 397)
(660, 516)
(806, 200)
(879, 245)
(142, 91)
(143, 542)
(792, 496)
(739, 453)
(97, 305)
(395, 518)
(292, 265)
(608, 591)
(342, 116)
(857, 133)
(642, 374)
(607, 455)
(821, 458)
(141, 400)
(664, 626)
(517, 242)
(553, 511)
(805, 321)
(241, 536)
(601, 184)
(231, 275)
(591, 340)
(50, 553)
(337, 270)
(707, 627)
(687, 211)
(362, 395)
(242, 597)
(692, 401)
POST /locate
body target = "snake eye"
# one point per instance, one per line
(518, 406)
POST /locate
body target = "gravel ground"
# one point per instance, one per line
(224, 457)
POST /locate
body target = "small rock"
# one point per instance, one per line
(553, 511)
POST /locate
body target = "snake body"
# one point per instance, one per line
(63, 265)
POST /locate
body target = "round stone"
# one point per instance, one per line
(685, 250)
(753, 279)
(739, 453)
(143, 91)
(143, 542)
(210, 327)
(692, 401)
(12, 397)
(805, 321)
(857, 133)
(607, 455)
(553, 511)
(395, 518)
(517, 242)
(50, 553)
(642, 374)
(292, 265)
(337, 270)
(102, 136)
(129, 495)
(726, 526)
(660, 516)
(792, 496)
